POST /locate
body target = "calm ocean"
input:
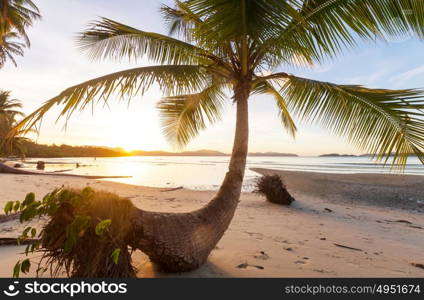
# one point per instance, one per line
(198, 172)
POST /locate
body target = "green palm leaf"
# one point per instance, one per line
(266, 87)
(110, 39)
(184, 116)
(171, 79)
(385, 123)
(327, 27)
(181, 20)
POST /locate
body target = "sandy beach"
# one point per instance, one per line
(339, 226)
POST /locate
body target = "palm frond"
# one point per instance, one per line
(184, 116)
(181, 20)
(171, 79)
(327, 27)
(265, 87)
(18, 15)
(222, 18)
(10, 47)
(109, 39)
(385, 123)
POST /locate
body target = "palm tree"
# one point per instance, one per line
(242, 47)
(15, 17)
(10, 47)
(9, 110)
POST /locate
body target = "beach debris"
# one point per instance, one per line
(41, 165)
(328, 210)
(417, 265)
(416, 227)
(274, 189)
(262, 256)
(61, 171)
(321, 271)
(410, 224)
(347, 247)
(323, 239)
(170, 199)
(173, 189)
(300, 262)
(246, 265)
(288, 249)
(399, 221)
(17, 165)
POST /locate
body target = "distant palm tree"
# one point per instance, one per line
(15, 17)
(10, 47)
(9, 110)
(243, 47)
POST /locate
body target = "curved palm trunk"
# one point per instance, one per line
(179, 242)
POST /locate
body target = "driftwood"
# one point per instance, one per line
(173, 189)
(14, 241)
(398, 221)
(9, 170)
(347, 247)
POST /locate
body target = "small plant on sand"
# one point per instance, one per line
(85, 235)
(274, 189)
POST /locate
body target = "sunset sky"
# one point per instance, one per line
(53, 63)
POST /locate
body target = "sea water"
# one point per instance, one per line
(201, 172)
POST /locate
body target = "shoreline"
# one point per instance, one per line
(397, 191)
(296, 241)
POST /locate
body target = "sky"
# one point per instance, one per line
(54, 63)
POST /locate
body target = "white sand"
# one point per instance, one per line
(295, 241)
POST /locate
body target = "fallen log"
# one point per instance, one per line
(9, 170)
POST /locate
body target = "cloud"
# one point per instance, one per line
(404, 77)
(369, 79)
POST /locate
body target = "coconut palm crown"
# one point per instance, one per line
(9, 110)
(18, 15)
(231, 44)
(15, 17)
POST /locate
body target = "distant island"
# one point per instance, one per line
(338, 155)
(184, 153)
(272, 154)
(32, 149)
(352, 155)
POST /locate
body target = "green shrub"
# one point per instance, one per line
(85, 235)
